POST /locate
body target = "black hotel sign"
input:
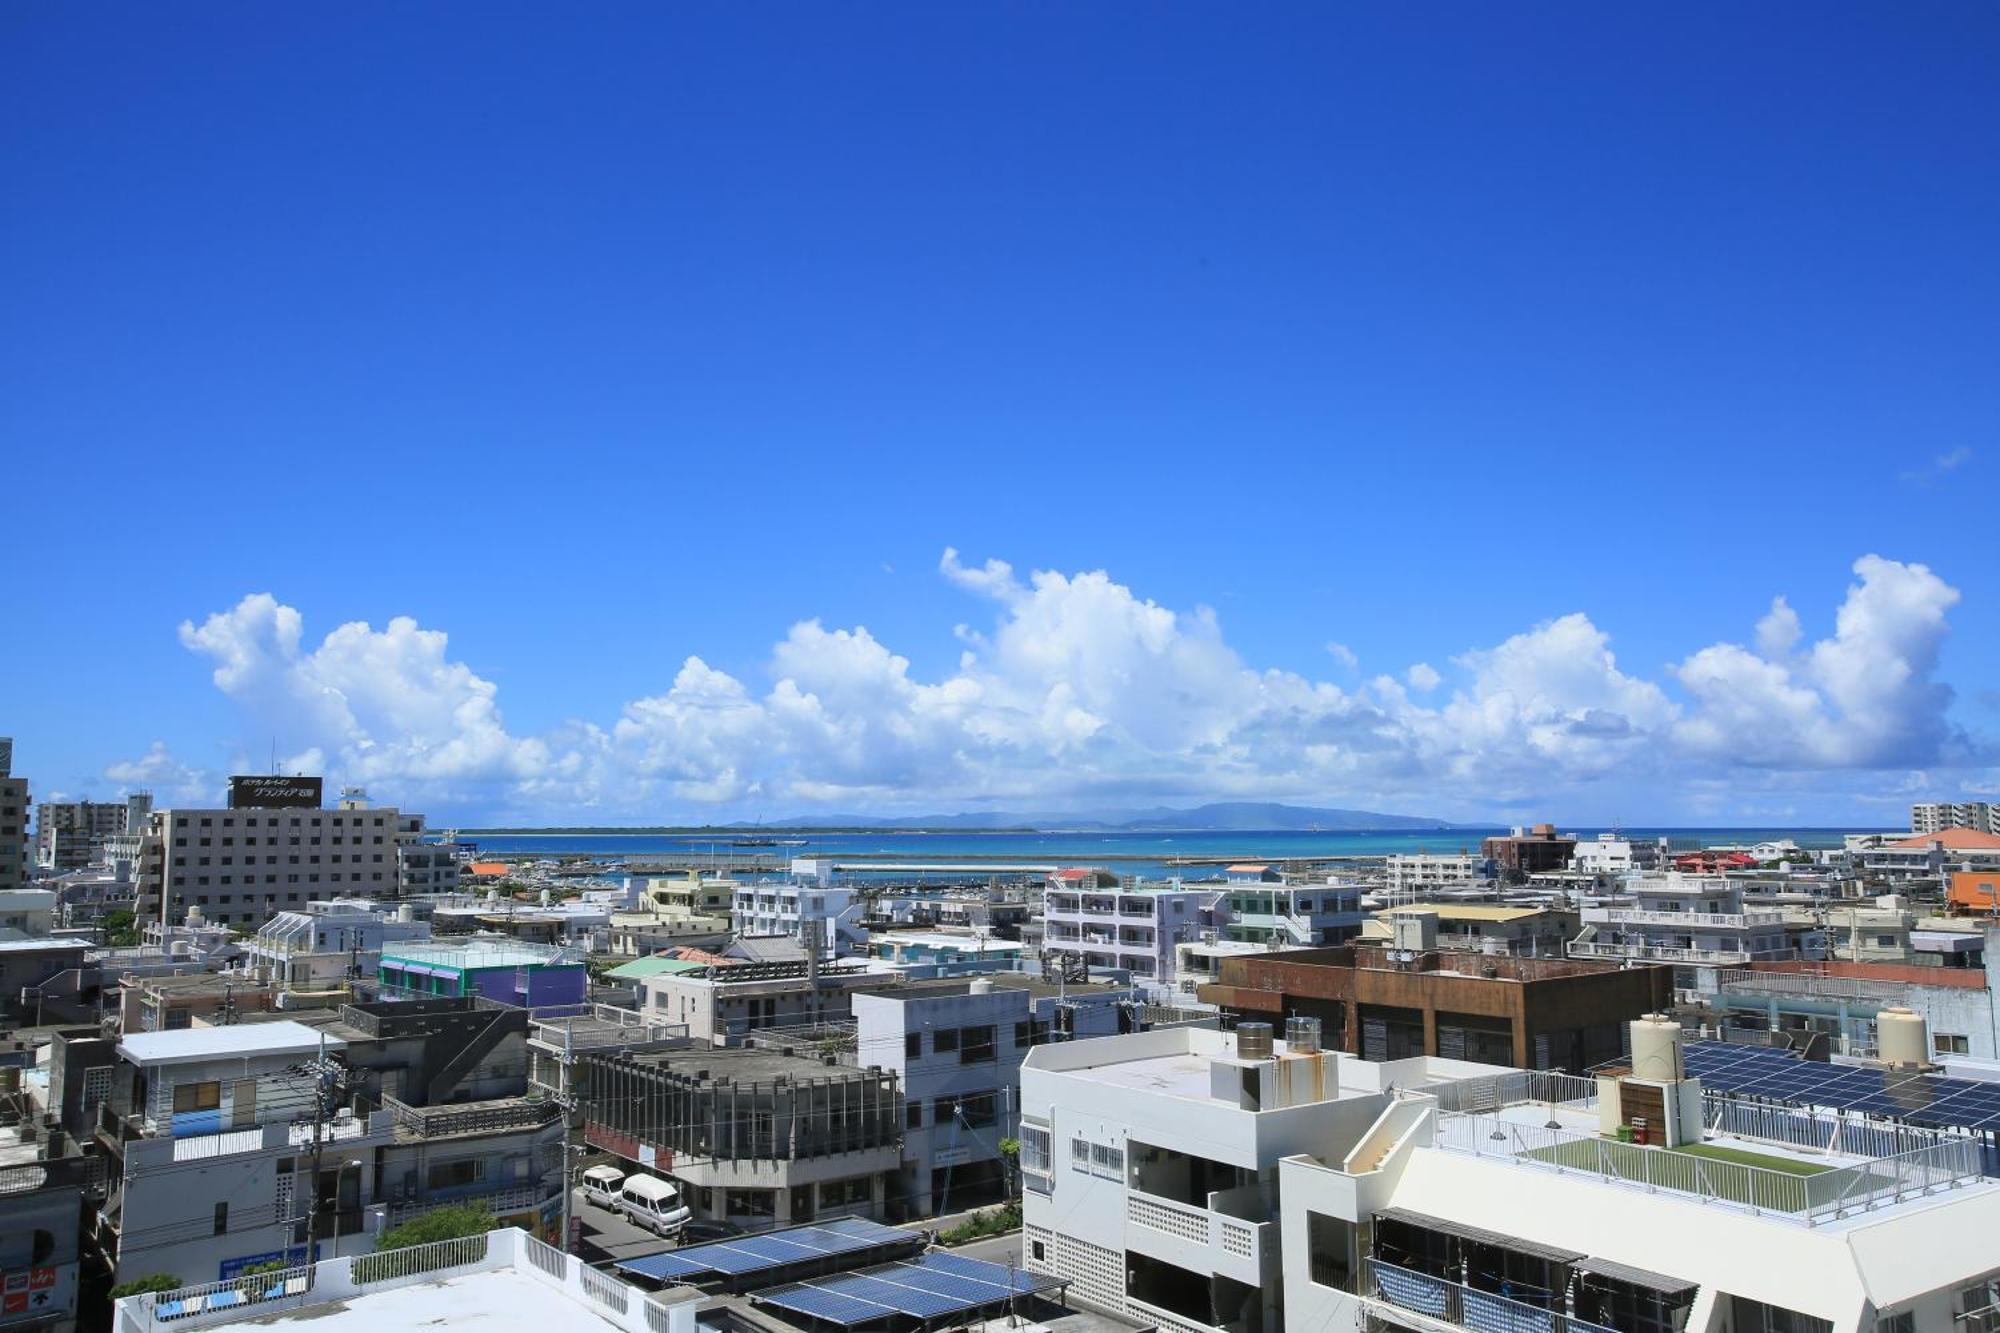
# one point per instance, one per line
(263, 793)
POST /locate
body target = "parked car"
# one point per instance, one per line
(602, 1185)
(654, 1204)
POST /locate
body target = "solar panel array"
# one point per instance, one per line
(1930, 1100)
(740, 1256)
(926, 1288)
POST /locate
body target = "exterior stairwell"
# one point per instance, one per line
(1391, 1129)
(467, 1059)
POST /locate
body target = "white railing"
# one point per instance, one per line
(1174, 1219)
(1808, 1199)
(1517, 1087)
(1644, 916)
(1666, 954)
(337, 1280)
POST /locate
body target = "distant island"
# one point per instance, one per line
(1217, 817)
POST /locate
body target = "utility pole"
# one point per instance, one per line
(329, 1078)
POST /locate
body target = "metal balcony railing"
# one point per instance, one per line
(1466, 1307)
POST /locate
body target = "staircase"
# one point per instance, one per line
(468, 1058)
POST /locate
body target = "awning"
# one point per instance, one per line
(1637, 1277)
(1477, 1235)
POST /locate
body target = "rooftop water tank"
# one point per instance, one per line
(1902, 1037)
(981, 986)
(1301, 1035)
(1253, 1041)
(1656, 1049)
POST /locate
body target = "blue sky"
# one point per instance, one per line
(1541, 348)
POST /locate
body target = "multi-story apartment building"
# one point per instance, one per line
(799, 908)
(71, 834)
(1201, 1183)
(1686, 920)
(13, 821)
(244, 864)
(1409, 876)
(1293, 915)
(1610, 855)
(755, 1137)
(722, 1004)
(957, 1045)
(210, 1131)
(1937, 816)
(1529, 851)
(1135, 928)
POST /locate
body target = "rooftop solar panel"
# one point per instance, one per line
(740, 1256)
(1932, 1100)
(930, 1286)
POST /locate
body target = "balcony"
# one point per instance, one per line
(459, 1119)
(1661, 953)
(1202, 1240)
(1641, 916)
(1392, 1291)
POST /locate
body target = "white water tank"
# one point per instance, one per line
(406, 912)
(981, 986)
(1902, 1037)
(1656, 1049)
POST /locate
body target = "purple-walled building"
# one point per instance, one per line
(507, 970)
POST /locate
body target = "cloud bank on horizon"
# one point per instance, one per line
(1082, 693)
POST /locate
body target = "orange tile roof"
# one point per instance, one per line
(490, 867)
(1953, 840)
(1975, 893)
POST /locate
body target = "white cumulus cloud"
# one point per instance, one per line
(1077, 690)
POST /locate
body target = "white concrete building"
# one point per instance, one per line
(1697, 920)
(1135, 928)
(1937, 816)
(789, 907)
(1301, 916)
(505, 1281)
(327, 945)
(1193, 1182)
(1611, 854)
(71, 834)
(957, 1046)
(1410, 876)
(27, 914)
(1150, 1165)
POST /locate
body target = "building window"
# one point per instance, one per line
(976, 1045)
(454, 1175)
(1951, 1043)
(1079, 1154)
(221, 1218)
(913, 1117)
(1107, 1161)
(197, 1097)
(1748, 1316)
(913, 1045)
(944, 1040)
(1904, 1322)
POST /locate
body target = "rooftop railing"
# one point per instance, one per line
(1809, 1199)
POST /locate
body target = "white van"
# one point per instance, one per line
(601, 1186)
(652, 1203)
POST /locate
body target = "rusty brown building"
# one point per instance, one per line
(1532, 1013)
(1529, 852)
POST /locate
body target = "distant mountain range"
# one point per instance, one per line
(1230, 816)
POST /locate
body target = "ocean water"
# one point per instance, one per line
(1145, 854)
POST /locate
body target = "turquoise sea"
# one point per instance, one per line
(1144, 854)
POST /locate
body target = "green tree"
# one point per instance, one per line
(121, 929)
(448, 1223)
(140, 1286)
